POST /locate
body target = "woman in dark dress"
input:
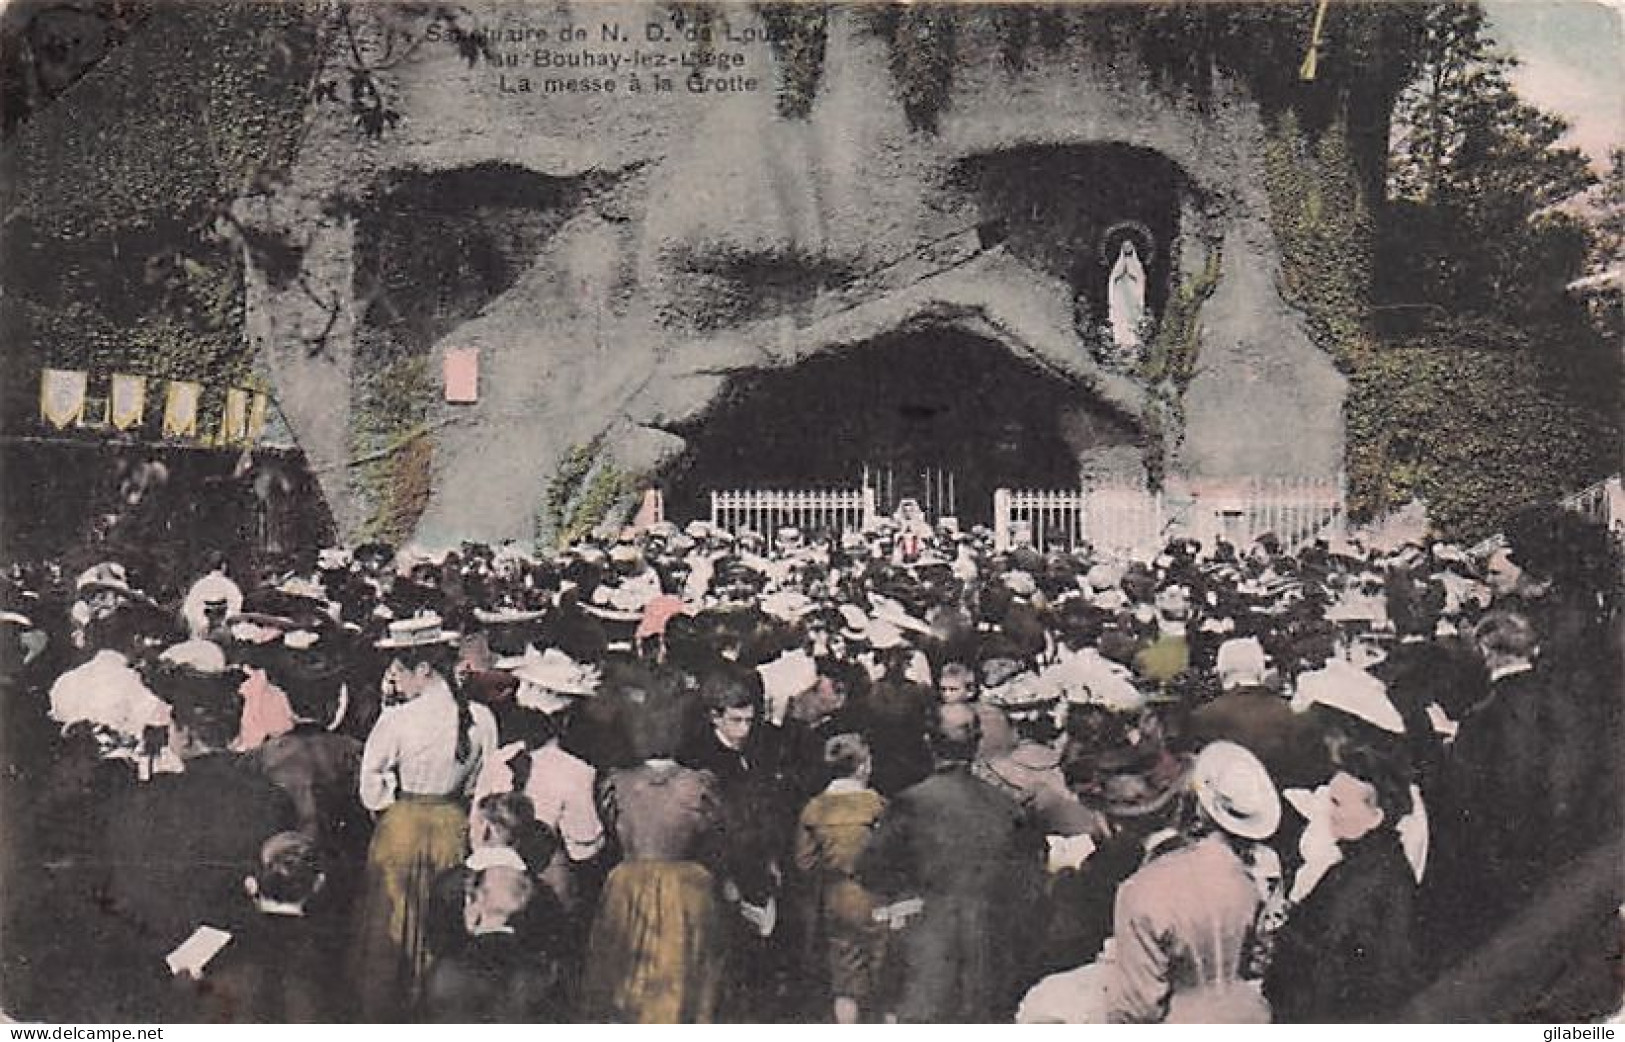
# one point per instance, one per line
(1345, 953)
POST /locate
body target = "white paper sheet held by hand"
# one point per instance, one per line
(195, 952)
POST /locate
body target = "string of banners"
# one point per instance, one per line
(65, 402)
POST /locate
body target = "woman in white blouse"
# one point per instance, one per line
(417, 772)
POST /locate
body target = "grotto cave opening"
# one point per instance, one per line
(939, 415)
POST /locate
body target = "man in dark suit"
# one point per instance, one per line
(1260, 720)
(318, 768)
(1493, 832)
(281, 966)
(743, 755)
(497, 976)
(178, 847)
(961, 847)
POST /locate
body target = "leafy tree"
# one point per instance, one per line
(1486, 350)
(1474, 174)
(1608, 215)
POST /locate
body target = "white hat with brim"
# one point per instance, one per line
(1352, 691)
(884, 635)
(787, 605)
(419, 631)
(482, 858)
(1020, 583)
(1024, 691)
(1091, 680)
(855, 624)
(554, 671)
(205, 656)
(108, 577)
(893, 612)
(1236, 791)
(503, 616)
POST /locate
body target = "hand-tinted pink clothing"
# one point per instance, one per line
(266, 712)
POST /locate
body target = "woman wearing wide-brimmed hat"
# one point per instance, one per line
(1183, 922)
(417, 771)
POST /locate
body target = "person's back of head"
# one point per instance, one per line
(847, 756)
(956, 732)
(1386, 773)
(289, 871)
(497, 895)
(723, 689)
(1506, 636)
(207, 707)
(503, 813)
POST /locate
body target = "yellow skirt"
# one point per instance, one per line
(656, 951)
(417, 839)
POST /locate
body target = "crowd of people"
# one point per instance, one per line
(687, 775)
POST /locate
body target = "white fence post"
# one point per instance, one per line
(1001, 520)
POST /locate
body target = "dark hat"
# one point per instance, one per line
(202, 702)
(1131, 780)
(269, 606)
(491, 687)
(377, 554)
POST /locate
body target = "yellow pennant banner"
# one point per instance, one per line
(256, 418)
(234, 421)
(62, 396)
(181, 409)
(129, 401)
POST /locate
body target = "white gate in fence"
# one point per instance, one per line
(1295, 510)
(815, 512)
(1118, 519)
(1124, 519)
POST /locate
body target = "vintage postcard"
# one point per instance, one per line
(656, 511)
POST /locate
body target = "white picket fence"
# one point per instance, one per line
(1111, 518)
(1127, 519)
(1114, 519)
(1603, 502)
(815, 512)
(1295, 510)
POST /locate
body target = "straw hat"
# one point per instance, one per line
(1235, 790)
(552, 670)
(420, 631)
(205, 656)
(107, 577)
(884, 635)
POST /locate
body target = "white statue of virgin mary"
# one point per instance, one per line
(1125, 296)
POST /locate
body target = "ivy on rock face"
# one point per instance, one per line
(1470, 426)
(1367, 50)
(391, 407)
(118, 261)
(1325, 232)
(922, 42)
(798, 33)
(587, 488)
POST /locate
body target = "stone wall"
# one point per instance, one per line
(712, 236)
